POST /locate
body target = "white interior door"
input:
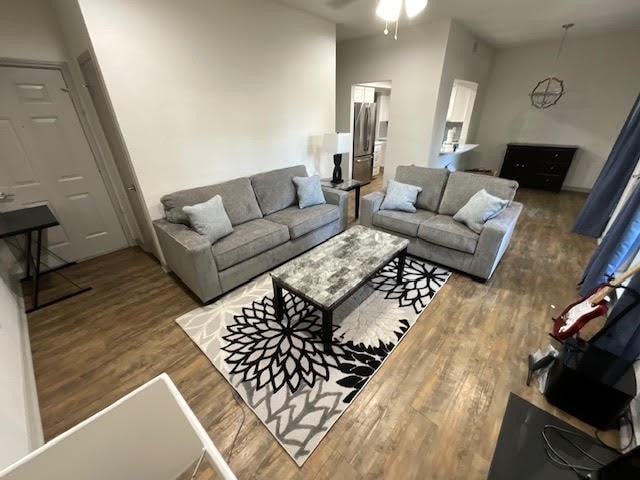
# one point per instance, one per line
(45, 158)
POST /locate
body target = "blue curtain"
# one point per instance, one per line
(623, 338)
(615, 174)
(621, 241)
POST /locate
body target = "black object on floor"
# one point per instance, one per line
(591, 384)
(520, 450)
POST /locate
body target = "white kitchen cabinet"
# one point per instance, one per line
(458, 104)
(383, 114)
(364, 94)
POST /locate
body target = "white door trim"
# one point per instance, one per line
(101, 162)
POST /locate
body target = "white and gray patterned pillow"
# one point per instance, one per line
(400, 196)
(482, 206)
(309, 191)
(209, 219)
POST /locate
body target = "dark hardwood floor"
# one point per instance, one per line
(432, 411)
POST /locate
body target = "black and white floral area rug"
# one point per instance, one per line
(281, 370)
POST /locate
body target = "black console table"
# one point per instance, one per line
(26, 221)
(347, 186)
(538, 166)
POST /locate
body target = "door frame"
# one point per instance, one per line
(101, 162)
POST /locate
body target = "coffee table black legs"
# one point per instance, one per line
(401, 258)
(278, 302)
(358, 201)
(327, 315)
(327, 329)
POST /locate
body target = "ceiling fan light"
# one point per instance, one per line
(389, 10)
(414, 7)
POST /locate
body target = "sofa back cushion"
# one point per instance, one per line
(461, 186)
(237, 196)
(431, 180)
(275, 190)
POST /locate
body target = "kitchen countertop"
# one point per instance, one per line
(461, 149)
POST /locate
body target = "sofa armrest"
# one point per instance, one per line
(189, 255)
(339, 198)
(370, 204)
(493, 241)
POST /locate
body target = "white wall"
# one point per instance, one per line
(466, 58)
(602, 80)
(413, 63)
(421, 65)
(208, 91)
(27, 31)
(20, 430)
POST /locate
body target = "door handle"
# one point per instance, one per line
(6, 196)
(132, 188)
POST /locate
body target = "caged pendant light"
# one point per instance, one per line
(548, 91)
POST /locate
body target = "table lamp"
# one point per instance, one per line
(337, 144)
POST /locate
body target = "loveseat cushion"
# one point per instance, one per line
(275, 189)
(401, 222)
(237, 196)
(248, 240)
(461, 186)
(431, 180)
(443, 230)
(302, 221)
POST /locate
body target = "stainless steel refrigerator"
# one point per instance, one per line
(364, 129)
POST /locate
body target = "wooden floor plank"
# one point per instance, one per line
(432, 411)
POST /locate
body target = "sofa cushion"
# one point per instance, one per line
(461, 186)
(302, 221)
(237, 196)
(309, 191)
(432, 181)
(209, 219)
(401, 222)
(275, 189)
(443, 230)
(248, 240)
(481, 207)
(400, 196)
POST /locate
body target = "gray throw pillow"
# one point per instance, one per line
(482, 206)
(209, 219)
(309, 191)
(400, 196)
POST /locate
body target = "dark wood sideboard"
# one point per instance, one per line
(537, 166)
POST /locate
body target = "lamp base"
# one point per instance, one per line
(337, 170)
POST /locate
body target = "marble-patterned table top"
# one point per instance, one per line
(332, 270)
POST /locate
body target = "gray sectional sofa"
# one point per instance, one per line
(268, 229)
(433, 233)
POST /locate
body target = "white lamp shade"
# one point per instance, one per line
(414, 7)
(389, 10)
(337, 143)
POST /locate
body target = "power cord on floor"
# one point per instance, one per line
(238, 400)
(627, 417)
(559, 460)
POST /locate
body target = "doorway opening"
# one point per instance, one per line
(461, 103)
(370, 108)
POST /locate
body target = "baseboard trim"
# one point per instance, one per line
(576, 189)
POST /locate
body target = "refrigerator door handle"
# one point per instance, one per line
(366, 129)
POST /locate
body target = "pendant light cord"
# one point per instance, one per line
(566, 28)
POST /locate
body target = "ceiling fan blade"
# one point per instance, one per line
(338, 4)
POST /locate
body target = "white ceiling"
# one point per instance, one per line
(500, 22)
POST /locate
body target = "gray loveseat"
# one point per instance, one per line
(268, 229)
(433, 233)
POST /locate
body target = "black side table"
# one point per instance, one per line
(346, 186)
(26, 221)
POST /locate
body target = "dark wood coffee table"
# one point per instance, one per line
(331, 272)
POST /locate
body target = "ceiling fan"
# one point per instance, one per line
(338, 4)
(389, 11)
